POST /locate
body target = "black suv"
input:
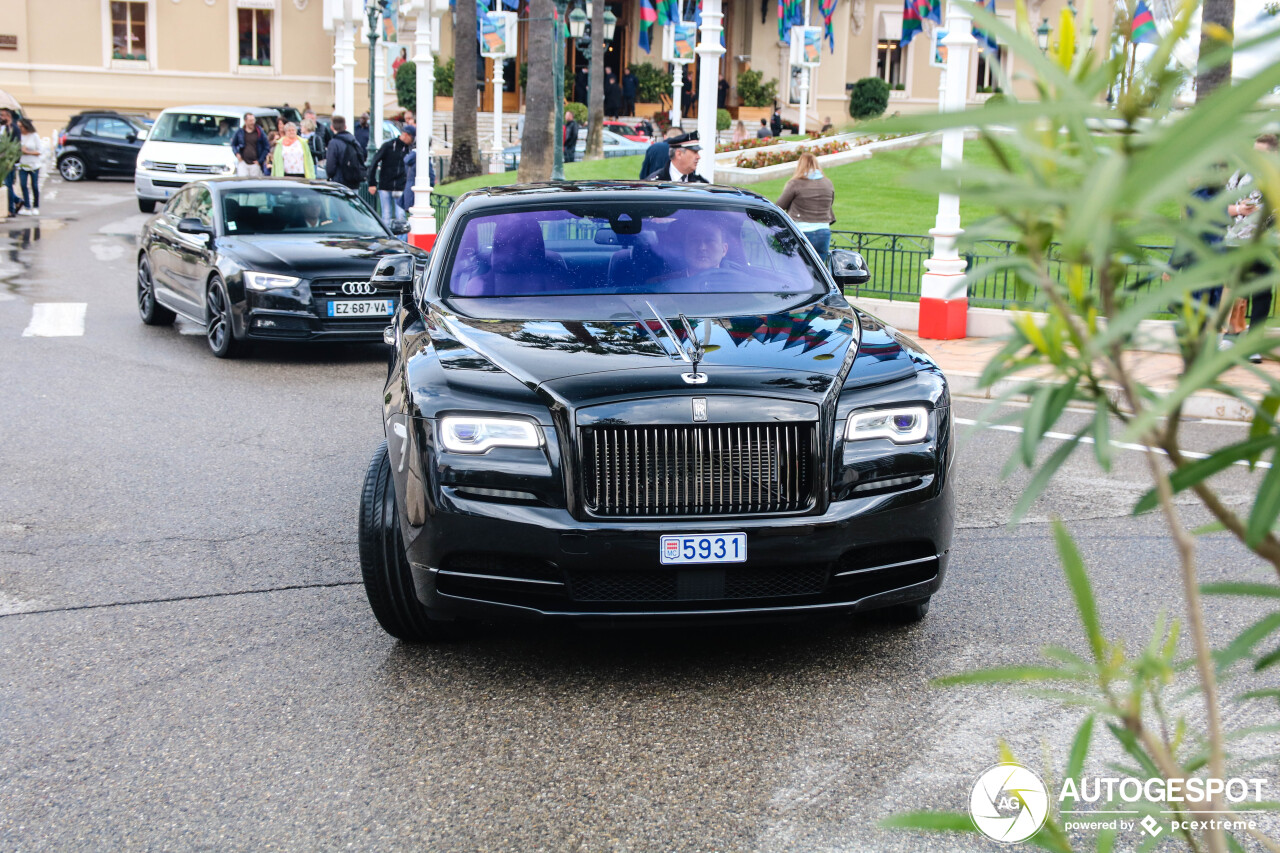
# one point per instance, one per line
(99, 143)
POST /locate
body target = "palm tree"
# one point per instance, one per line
(1215, 16)
(595, 97)
(465, 162)
(536, 153)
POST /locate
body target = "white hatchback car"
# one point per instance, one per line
(188, 143)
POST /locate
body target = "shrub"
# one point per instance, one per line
(723, 120)
(789, 155)
(579, 111)
(10, 151)
(870, 98)
(407, 85)
(651, 82)
(754, 93)
(444, 78)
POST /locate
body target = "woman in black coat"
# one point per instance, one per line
(612, 96)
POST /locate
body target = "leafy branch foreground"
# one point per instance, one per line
(1095, 179)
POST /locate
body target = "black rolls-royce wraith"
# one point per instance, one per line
(617, 401)
(267, 259)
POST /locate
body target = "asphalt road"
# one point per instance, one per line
(187, 659)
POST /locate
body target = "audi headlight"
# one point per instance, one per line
(269, 281)
(901, 425)
(464, 434)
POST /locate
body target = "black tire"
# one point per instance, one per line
(384, 565)
(151, 312)
(147, 205)
(72, 168)
(219, 331)
(908, 614)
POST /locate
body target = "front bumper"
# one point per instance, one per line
(160, 186)
(479, 559)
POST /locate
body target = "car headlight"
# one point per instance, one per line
(269, 281)
(226, 170)
(901, 425)
(464, 434)
(148, 164)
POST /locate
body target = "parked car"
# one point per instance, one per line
(288, 113)
(282, 259)
(614, 146)
(630, 130)
(187, 143)
(98, 143)
(611, 401)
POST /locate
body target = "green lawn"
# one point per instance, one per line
(870, 195)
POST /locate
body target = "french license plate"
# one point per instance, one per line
(362, 308)
(703, 548)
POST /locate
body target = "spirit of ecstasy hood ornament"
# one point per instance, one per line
(689, 350)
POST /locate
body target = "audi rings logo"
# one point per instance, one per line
(357, 288)
(1009, 803)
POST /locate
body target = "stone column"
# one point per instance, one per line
(422, 218)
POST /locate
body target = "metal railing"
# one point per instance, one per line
(896, 262)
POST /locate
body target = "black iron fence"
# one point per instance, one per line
(896, 262)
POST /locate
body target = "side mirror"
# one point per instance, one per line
(191, 225)
(394, 271)
(848, 268)
(399, 226)
(131, 138)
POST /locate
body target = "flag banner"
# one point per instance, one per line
(914, 14)
(790, 14)
(986, 41)
(648, 17)
(1144, 25)
(828, 9)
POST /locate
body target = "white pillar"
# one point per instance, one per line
(422, 218)
(804, 80)
(496, 166)
(943, 301)
(349, 72)
(677, 86)
(379, 95)
(709, 52)
(339, 32)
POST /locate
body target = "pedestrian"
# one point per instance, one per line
(570, 136)
(827, 126)
(29, 167)
(387, 173)
(344, 161)
(612, 95)
(722, 93)
(580, 80)
(411, 176)
(658, 155)
(775, 122)
(310, 134)
(251, 148)
(763, 132)
(291, 156)
(630, 86)
(9, 130)
(684, 155)
(808, 198)
(325, 133)
(361, 131)
(740, 131)
(1247, 217)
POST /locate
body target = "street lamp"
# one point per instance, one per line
(1042, 34)
(577, 23)
(375, 9)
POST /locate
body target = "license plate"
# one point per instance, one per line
(703, 548)
(362, 308)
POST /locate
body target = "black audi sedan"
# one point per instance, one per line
(621, 401)
(267, 259)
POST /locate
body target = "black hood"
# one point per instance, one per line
(303, 255)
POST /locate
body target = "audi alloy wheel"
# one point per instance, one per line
(218, 329)
(151, 312)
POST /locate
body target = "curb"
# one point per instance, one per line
(1201, 405)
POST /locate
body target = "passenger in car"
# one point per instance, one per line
(519, 264)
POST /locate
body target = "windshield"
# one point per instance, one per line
(294, 208)
(198, 128)
(631, 248)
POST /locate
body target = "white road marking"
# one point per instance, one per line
(56, 320)
(1123, 445)
(127, 227)
(106, 250)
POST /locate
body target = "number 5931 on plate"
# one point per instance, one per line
(703, 548)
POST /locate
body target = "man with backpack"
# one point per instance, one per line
(344, 159)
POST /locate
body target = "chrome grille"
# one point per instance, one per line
(190, 169)
(697, 470)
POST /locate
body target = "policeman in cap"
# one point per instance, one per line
(684, 161)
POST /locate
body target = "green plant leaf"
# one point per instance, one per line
(1129, 741)
(1040, 479)
(1081, 590)
(1267, 661)
(1243, 644)
(1257, 590)
(1008, 675)
(931, 821)
(1079, 751)
(1269, 693)
(1191, 473)
(1266, 508)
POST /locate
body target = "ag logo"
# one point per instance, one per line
(1009, 803)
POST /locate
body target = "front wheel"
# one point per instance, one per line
(147, 205)
(72, 168)
(384, 565)
(218, 330)
(151, 312)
